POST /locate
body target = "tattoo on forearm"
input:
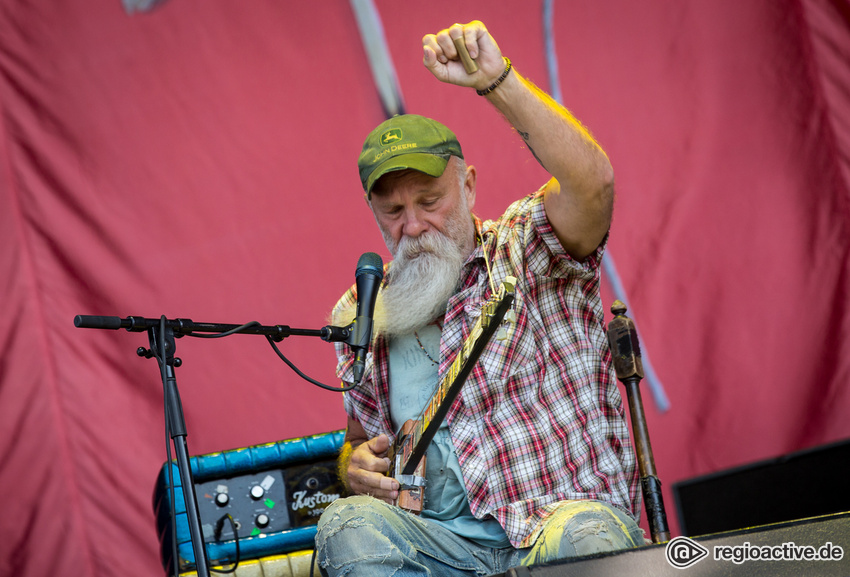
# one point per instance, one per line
(540, 162)
(525, 137)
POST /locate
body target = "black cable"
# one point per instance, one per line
(218, 525)
(305, 377)
(276, 350)
(225, 333)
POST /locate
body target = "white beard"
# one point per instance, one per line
(423, 275)
(422, 278)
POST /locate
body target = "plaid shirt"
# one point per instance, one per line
(540, 419)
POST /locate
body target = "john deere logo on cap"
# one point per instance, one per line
(390, 136)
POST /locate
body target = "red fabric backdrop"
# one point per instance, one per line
(198, 161)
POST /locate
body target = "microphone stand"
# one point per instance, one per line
(176, 426)
(161, 337)
(625, 350)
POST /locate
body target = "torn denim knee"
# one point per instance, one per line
(590, 533)
(351, 538)
(582, 528)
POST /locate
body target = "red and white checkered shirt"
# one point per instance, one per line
(540, 418)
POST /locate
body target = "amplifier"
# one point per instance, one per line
(798, 485)
(274, 492)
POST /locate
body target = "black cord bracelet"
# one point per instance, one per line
(499, 80)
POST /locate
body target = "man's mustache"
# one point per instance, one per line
(411, 247)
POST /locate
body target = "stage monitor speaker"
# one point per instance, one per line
(795, 486)
(731, 554)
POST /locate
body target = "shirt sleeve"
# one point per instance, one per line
(525, 224)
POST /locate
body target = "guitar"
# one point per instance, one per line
(407, 455)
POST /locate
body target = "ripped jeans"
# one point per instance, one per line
(365, 536)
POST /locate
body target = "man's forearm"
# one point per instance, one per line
(562, 145)
(579, 199)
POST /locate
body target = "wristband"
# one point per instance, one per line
(499, 80)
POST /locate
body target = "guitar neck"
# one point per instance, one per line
(416, 442)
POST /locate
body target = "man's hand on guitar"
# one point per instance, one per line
(367, 470)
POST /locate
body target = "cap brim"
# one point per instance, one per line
(430, 164)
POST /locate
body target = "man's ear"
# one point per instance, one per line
(469, 186)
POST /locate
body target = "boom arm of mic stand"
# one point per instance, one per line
(625, 349)
(181, 327)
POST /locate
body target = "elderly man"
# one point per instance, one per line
(533, 461)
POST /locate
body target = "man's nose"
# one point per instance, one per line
(413, 225)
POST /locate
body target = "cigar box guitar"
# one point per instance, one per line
(407, 455)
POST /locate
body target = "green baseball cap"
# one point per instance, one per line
(406, 141)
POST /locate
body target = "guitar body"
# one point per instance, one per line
(410, 496)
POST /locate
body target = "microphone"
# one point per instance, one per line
(368, 276)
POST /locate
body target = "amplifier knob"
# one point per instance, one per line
(257, 492)
(222, 499)
(262, 520)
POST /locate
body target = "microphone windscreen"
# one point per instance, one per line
(370, 263)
